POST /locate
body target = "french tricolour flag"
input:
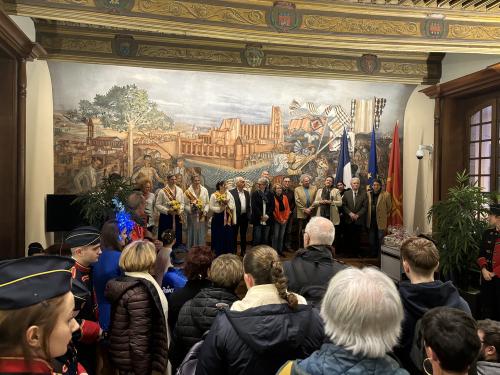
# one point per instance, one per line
(344, 172)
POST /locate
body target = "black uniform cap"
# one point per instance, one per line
(83, 236)
(27, 281)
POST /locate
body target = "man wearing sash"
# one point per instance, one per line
(170, 204)
(196, 203)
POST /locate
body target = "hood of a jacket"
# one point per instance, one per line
(117, 287)
(418, 298)
(272, 328)
(204, 305)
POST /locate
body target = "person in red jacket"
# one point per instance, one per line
(489, 262)
(280, 214)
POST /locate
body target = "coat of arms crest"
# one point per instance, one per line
(434, 27)
(125, 46)
(254, 56)
(283, 16)
(369, 63)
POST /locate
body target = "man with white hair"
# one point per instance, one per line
(242, 202)
(362, 312)
(304, 199)
(355, 206)
(314, 265)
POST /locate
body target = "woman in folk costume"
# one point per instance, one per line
(328, 201)
(196, 204)
(224, 209)
(170, 204)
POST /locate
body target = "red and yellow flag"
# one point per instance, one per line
(394, 184)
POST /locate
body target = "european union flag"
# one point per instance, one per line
(372, 163)
(344, 172)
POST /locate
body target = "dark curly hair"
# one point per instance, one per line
(197, 263)
(219, 184)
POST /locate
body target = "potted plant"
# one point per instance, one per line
(97, 204)
(458, 224)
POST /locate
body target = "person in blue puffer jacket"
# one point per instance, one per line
(362, 312)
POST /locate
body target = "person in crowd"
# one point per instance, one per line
(86, 250)
(421, 293)
(339, 242)
(489, 263)
(304, 199)
(265, 174)
(251, 338)
(489, 356)
(313, 267)
(362, 312)
(197, 314)
(224, 217)
(146, 187)
(379, 211)
(280, 218)
(166, 275)
(450, 340)
(36, 313)
(262, 211)
(196, 265)
(243, 212)
(355, 206)
(35, 248)
(327, 202)
(196, 205)
(170, 205)
(290, 195)
(138, 334)
(107, 267)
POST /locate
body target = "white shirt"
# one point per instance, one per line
(243, 201)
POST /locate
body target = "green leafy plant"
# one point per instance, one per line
(458, 224)
(97, 205)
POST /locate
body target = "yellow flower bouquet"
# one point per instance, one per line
(220, 198)
(175, 206)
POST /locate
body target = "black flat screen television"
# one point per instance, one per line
(60, 214)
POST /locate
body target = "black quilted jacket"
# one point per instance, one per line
(138, 342)
(195, 318)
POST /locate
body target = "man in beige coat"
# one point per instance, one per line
(304, 199)
(379, 210)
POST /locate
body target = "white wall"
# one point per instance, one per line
(39, 142)
(419, 129)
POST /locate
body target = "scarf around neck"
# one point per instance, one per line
(279, 198)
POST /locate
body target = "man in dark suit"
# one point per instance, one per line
(242, 202)
(355, 206)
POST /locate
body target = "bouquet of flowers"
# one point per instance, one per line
(221, 198)
(175, 206)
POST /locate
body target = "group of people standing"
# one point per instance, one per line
(271, 209)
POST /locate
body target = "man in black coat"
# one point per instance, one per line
(262, 212)
(354, 206)
(243, 212)
(312, 268)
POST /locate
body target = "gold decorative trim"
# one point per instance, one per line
(311, 62)
(476, 32)
(189, 54)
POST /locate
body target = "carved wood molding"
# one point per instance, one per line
(322, 24)
(85, 43)
(14, 43)
(473, 84)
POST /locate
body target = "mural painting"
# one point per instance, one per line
(140, 122)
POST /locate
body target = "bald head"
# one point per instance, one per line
(319, 231)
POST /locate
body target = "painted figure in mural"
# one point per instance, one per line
(180, 169)
(355, 206)
(281, 214)
(379, 210)
(262, 202)
(170, 205)
(243, 212)
(327, 202)
(196, 205)
(88, 177)
(146, 187)
(224, 209)
(288, 191)
(304, 199)
(147, 171)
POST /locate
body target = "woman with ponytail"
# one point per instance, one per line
(266, 328)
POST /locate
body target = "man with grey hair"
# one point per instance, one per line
(242, 202)
(304, 199)
(362, 312)
(262, 206)
(355, 206)
(312, 268)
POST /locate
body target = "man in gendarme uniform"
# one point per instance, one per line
(489, 262)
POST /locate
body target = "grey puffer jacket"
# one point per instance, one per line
(488, 368)
(196, 317)
(335, 360)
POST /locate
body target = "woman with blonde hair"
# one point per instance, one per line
(266, 328)
(138, 334)
(36, 313)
